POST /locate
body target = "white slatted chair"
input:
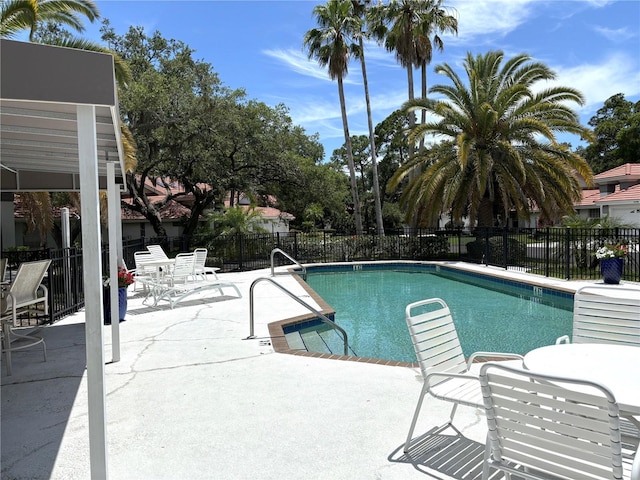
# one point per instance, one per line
(157, 252)
(200, 268)
(181, 283)
(543, 427)
(606, 314)
(183, 270)
(446, 374)
(25, 292)
(143, 273)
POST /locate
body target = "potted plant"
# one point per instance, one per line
(125, 278)
(611, 257)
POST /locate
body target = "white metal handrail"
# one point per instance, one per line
(320, 315)
(278, 250)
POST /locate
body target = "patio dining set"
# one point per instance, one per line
(174, 279)
(564, 411)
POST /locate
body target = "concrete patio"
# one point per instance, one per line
(192, 398)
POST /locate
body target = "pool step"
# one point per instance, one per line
(320, 339)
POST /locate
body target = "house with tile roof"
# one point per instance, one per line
(617, 195)
(135, 225)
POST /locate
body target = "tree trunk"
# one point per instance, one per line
(423, 114)
(372, 142)
(352, 170)
(485, 212)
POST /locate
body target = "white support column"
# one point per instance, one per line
(91, 249)
(113, 197)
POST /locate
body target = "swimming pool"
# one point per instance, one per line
(490, 314)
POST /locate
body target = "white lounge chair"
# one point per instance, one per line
(543, 427)
(181, 283)
(446, 374)
(605, 314)
(26, 291)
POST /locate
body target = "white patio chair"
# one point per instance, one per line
(605, 314)
(26, 291)
(446, 374)
(200, 268)
(182, 271)
(143, 273)
(157, 252)
(543, 427)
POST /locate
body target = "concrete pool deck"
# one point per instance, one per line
(192, 398)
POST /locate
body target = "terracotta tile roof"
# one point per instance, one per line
(631, 193)
(171, 211)
(589, 197)
(628, 172)
(19, 209)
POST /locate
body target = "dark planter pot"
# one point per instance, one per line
(122, 304)
(611, 269)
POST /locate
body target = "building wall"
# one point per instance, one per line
(628, 213)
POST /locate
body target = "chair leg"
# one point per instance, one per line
(415, 417)
(8, 332)
(6, 346)
(34, 341)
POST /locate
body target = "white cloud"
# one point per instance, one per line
(488, 17)
(619, 73)
(616, 35)
(298, 62)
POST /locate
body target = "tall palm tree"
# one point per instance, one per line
(406, 27)
(331, 44)
(500, 151)
(435, 19)
(360, 10)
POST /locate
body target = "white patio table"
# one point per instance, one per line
(614, 366)
(158, 263)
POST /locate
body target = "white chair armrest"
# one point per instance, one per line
(563, 339)
(449, 375)
(494, 356)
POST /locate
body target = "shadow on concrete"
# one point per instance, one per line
(37, 401)
(444, 456)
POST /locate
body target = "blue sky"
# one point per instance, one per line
(592, 45)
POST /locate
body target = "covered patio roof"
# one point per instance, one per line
(40, 89)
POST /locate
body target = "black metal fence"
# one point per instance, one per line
(567, 253)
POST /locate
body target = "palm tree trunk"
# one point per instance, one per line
(357, 216)
(372, 142)
(423, 114)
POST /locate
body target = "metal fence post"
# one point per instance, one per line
(505, 248)
(324, 246)
(547, 253)
(567, 253)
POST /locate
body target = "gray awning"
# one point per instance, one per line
(40, 88)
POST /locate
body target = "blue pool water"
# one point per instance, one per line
(490, 315)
